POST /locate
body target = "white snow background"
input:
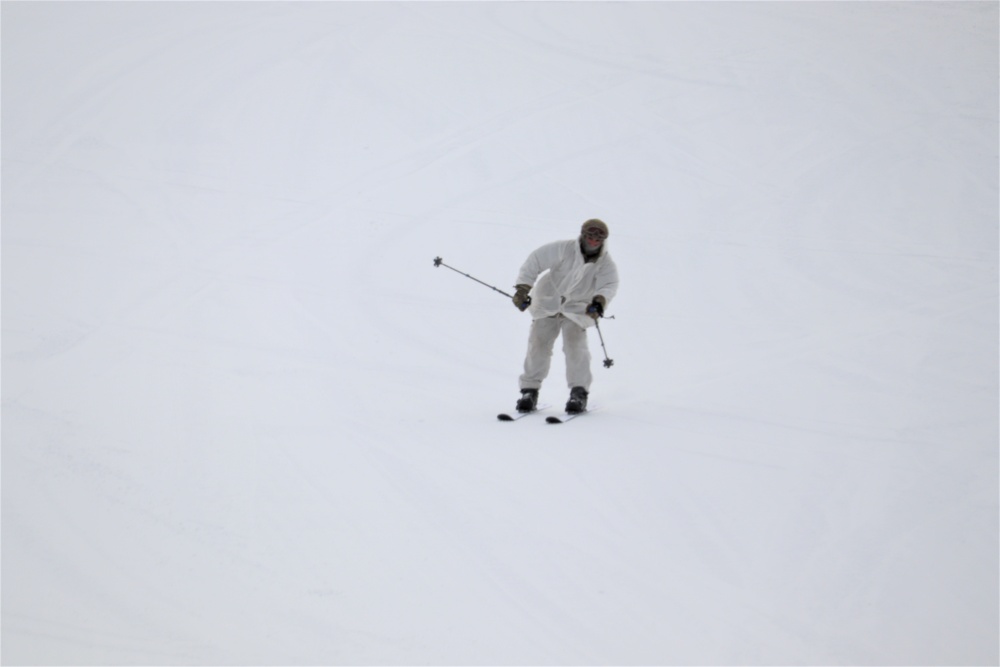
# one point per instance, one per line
(245, 419)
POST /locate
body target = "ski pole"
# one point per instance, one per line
(608, 363)
(438, 262)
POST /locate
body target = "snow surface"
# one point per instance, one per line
(245, 419)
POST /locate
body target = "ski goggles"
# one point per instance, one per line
(595, 234)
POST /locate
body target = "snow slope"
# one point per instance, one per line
(246, 421)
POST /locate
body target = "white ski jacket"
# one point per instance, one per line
(569, 283)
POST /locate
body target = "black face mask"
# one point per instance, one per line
(587, 250)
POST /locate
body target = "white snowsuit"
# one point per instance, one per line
(559, 301)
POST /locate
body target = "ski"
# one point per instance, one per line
(513, 417)
(566, 417)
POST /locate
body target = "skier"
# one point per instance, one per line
(580, 280)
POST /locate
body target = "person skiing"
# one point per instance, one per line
(578, 281)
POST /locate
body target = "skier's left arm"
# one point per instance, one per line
(605, 289)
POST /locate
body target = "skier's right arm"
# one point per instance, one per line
(540, 260)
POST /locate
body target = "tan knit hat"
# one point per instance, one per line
(594, 223)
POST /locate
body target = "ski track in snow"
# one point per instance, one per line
(246, 421)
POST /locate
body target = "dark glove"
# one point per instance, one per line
(521, 298)
(596, 307)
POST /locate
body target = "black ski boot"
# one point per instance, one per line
(528, 400)
(577, 400)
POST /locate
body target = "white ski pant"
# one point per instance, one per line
(541, 340)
